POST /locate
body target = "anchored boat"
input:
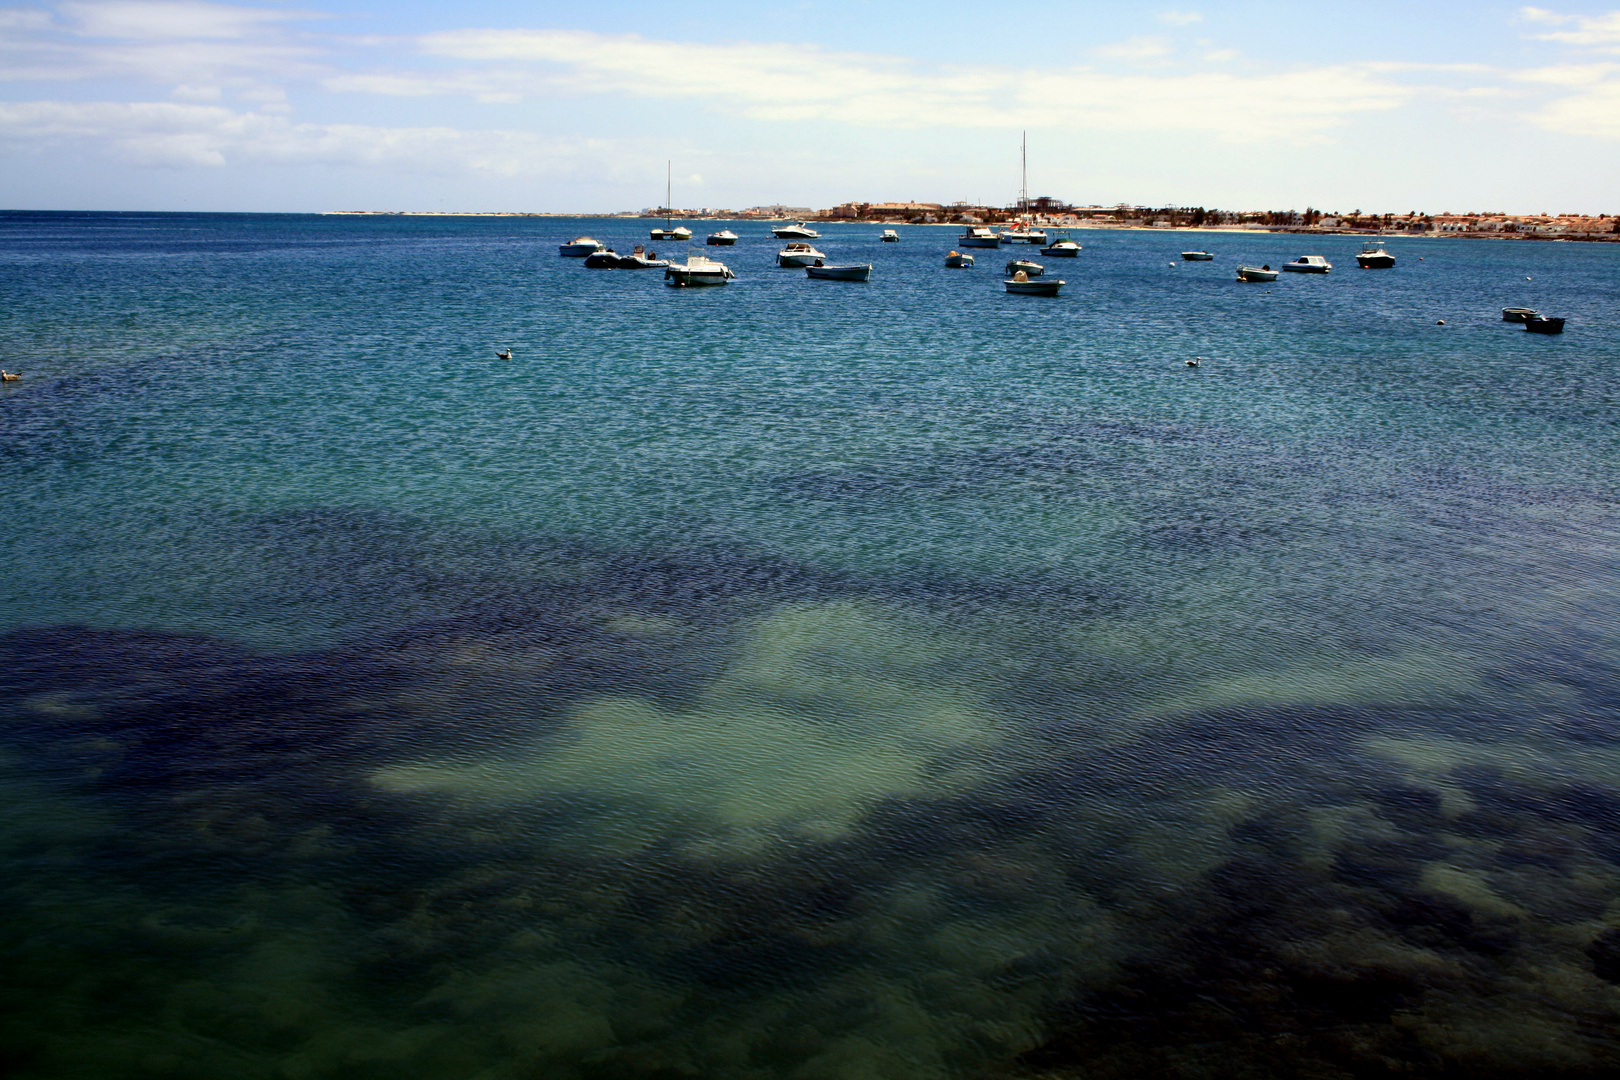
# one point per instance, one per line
(579, 247)
(697, 270)
(861, 272)
(1309, 264)
(1373, 256)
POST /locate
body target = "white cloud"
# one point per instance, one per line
(1590, 31)
(172, 135)
(1180, 18)
(1136, 49)
(793, 83)
(173, 19)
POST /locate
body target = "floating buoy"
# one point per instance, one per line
(1439, 322)
(1527, 277)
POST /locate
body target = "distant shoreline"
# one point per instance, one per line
(1305, 230)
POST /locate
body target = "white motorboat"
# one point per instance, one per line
(1197, 256)
(1023, 234)
(890, 237)
(799, 255)
(640, 259)
(860, 272)
(697, 270)
(1308, 264)
(957, 260)
(1062, 248)
(580, 246)
(679, 234)
(723, 238)
(801, 231)
(1024, 284)
(1028, 266)
(1373, 256)
(979, 236)
(1256, 273)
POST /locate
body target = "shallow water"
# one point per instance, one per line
(802, 679)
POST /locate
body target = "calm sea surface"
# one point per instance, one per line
(802, 679)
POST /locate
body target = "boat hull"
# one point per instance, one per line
(678, 278)
(795, 232)
(796, 261)
(840, 273)
(1375, 262)
(1541, 324)
(671, 234)
(1033, 269)
(978, 241)
(1518, 314)
(959, 262)
(578, 251)
(1250, 273)
(1061, 252)
(1197, 256)
(602, 260)
(721, 241)
(1044, 287)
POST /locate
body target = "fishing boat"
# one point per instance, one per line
(579, 247)
(1308, 264)
(1256, 273)
(860, 272)
(1023, 284)
(1544, 324)
(670, 231)
(890, 237)
(723, 238)
(799, 255)
(1197, 256)
(1519, 314)
(957, 260)
(1029, 267)
(1062, 248)
(979, 236)
(697, 270)
(1373, 256)
(801, 231)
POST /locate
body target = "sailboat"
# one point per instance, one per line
(668, 232)
(1023, 232)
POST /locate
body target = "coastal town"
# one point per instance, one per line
(1049, 211)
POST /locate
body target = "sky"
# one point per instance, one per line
(1430, 105)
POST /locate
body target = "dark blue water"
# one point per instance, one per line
(802, 679)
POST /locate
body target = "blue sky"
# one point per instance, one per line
(187, 104)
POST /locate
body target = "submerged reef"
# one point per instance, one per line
(706, 814)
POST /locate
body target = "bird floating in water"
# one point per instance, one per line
(505, 355)
(9, 376)
(1194, 361)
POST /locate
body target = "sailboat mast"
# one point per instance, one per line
(1023, 191)
(669, 192)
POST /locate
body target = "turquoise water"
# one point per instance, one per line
(802, 679)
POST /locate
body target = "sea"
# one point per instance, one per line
(800, 679)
